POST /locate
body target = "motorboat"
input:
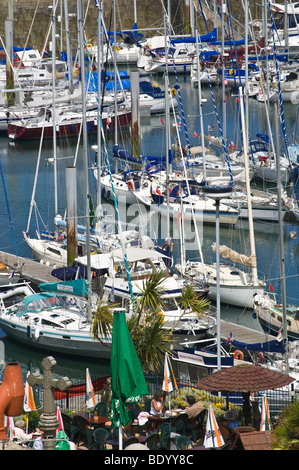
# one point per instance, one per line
(142, 263)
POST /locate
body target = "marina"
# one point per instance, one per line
(169, 207)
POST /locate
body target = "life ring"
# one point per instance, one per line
(76, 72)
(231, 71)
(89, 45)
(173, 91)
(238, 355)
(130, 185)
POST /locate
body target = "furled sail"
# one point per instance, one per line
(234, 256)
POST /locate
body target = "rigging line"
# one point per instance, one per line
(115, 201)
(8, 211)
(189, 192)
(282, 118)
(219, 126)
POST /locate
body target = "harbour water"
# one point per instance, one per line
(18, 161)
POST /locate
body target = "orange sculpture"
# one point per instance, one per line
(11, 395)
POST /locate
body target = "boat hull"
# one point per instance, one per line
(68, 128)
(78, 344)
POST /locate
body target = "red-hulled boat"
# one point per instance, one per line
(68, 124)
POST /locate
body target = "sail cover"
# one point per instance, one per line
(234, 256)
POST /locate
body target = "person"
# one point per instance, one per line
(19, 432)
(192, 411)
(194, 408)
(157, 404)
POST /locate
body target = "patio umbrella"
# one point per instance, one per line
(244, 378)
(127, 380)
(213, 436)
(90, 398)
(265, 419)
(169, 382)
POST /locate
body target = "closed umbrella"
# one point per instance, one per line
(265, 418)
(60, 420)
(169, 382)
(213, 436)
(90, 398)
(127, 380)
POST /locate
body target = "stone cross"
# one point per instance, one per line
(49, 422)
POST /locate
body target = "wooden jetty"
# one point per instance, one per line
(27, 268)
(40, 272)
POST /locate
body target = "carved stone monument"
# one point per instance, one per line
(49, 423)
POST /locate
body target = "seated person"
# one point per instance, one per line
(193, 410)
(157, 404)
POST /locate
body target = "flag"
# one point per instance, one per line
(265, 419)
(213, 437)
(60, 420)
(169, 382)
(90, 398)
(195, 134)
(271, 287)
(162, 121)
(11, 275)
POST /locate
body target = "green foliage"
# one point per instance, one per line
(286, 433)
(178, 399)
(151, 341)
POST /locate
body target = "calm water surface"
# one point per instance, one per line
(18, 162)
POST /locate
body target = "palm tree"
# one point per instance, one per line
(150, 338)
(286, 433)
(191, 301)
(150, 299)
(102, 321)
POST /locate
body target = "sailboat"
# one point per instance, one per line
(54, 319)
(237, 287)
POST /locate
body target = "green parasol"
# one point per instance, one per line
(127, 379)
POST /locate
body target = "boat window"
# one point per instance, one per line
(67, 321)
(52, 250)
(170, 304)
(293, 21)
(50, 323)
(279, 20)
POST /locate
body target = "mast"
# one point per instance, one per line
(200, 109)
(250, 218)
(54, 109)
(85, 153)
(281, 247)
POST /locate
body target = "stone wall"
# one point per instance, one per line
(32, 18)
